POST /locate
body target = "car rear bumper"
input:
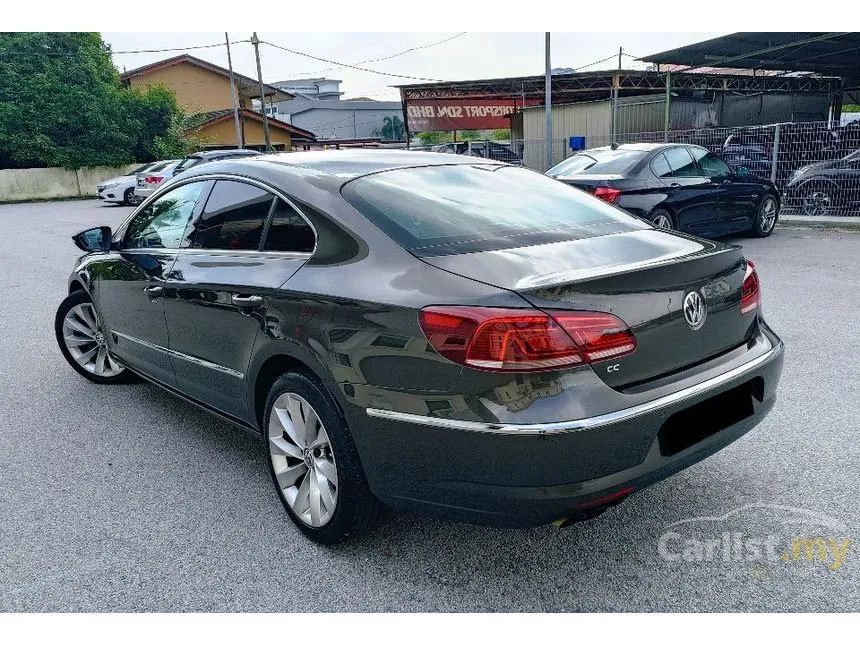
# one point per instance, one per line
(529, 474)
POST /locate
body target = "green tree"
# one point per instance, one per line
(434, 138)
(392, 129)
(62, 104)
(500, 135)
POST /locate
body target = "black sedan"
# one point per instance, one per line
(827, 187)
(427, 333)
(675, 186)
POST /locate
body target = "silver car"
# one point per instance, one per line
(148, 182)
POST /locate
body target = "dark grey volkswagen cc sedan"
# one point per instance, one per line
(427, 333)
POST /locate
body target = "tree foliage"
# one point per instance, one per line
(62, 104)
(392, 129)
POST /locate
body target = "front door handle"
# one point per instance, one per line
(247, 301)
(153, 292)
(674, 185)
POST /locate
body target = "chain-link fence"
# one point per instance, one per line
(815, 166)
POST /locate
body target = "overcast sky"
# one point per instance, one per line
(470, 56)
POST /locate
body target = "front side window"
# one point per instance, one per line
(681, 162)
(162, 223)
(233, 217)
(289, 231)
(711, 164)
(441, 210)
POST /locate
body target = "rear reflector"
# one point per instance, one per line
(751, 296)
(607, 194)
(524, 340)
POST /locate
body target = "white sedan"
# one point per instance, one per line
(120, 190)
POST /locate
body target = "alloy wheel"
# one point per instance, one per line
(816, 203)
(86, 343)
(768, 215)
(303, 460)
(662, 220)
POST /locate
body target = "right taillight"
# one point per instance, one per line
(751, 296)
(153, 180)
(524, 340)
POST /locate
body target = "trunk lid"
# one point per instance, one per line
(643, 278)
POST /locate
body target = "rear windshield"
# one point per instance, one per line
(443, 210)
(598, 162)
(186, 163)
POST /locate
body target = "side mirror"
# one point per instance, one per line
(94, 239)
(742, 170)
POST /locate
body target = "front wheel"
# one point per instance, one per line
(818, 200)
(128, 197)
(314, 463)
(82, 341)
(765, 217)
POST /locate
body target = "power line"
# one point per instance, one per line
(356, 67)
(111, 52)
(401, 53)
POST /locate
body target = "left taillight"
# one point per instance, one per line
(751, 296)
(610, 195)
(524, 340)
(153, 180)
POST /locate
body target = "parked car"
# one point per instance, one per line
(485, 149)
(148, 182)
(826, 187)
(147, 185)
(675, 186)
(427, 332)
(120, 190)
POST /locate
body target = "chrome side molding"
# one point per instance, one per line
(184, 357)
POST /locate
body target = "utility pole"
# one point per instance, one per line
(548, 107)
(256, 42)
(354, 131)
(233, 94)
(615, 85)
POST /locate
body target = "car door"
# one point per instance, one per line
(693, 198)
(244, 244)
(129, 283)
(739, 193)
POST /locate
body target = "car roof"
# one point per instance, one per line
(237, 152)
(348, 164)
(644, 147)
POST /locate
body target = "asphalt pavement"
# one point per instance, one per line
(124, 498)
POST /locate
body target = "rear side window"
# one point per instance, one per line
(289, 231)
(681, 162)
(441, 210)
(233, 217)
(660, 167)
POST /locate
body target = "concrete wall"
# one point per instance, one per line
(53, 183)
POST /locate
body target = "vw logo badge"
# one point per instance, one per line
(695, 310)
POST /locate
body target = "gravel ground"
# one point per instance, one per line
(124, 498)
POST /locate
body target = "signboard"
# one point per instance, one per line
(426, 115)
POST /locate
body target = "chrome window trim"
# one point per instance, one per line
(589, 423)
(170, 185)
(185, 357)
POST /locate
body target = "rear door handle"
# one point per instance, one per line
(247, 301)
(153, 292)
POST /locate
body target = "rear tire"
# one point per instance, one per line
(662, 218)
(766, 217)
(82, 341)
(314, 463)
